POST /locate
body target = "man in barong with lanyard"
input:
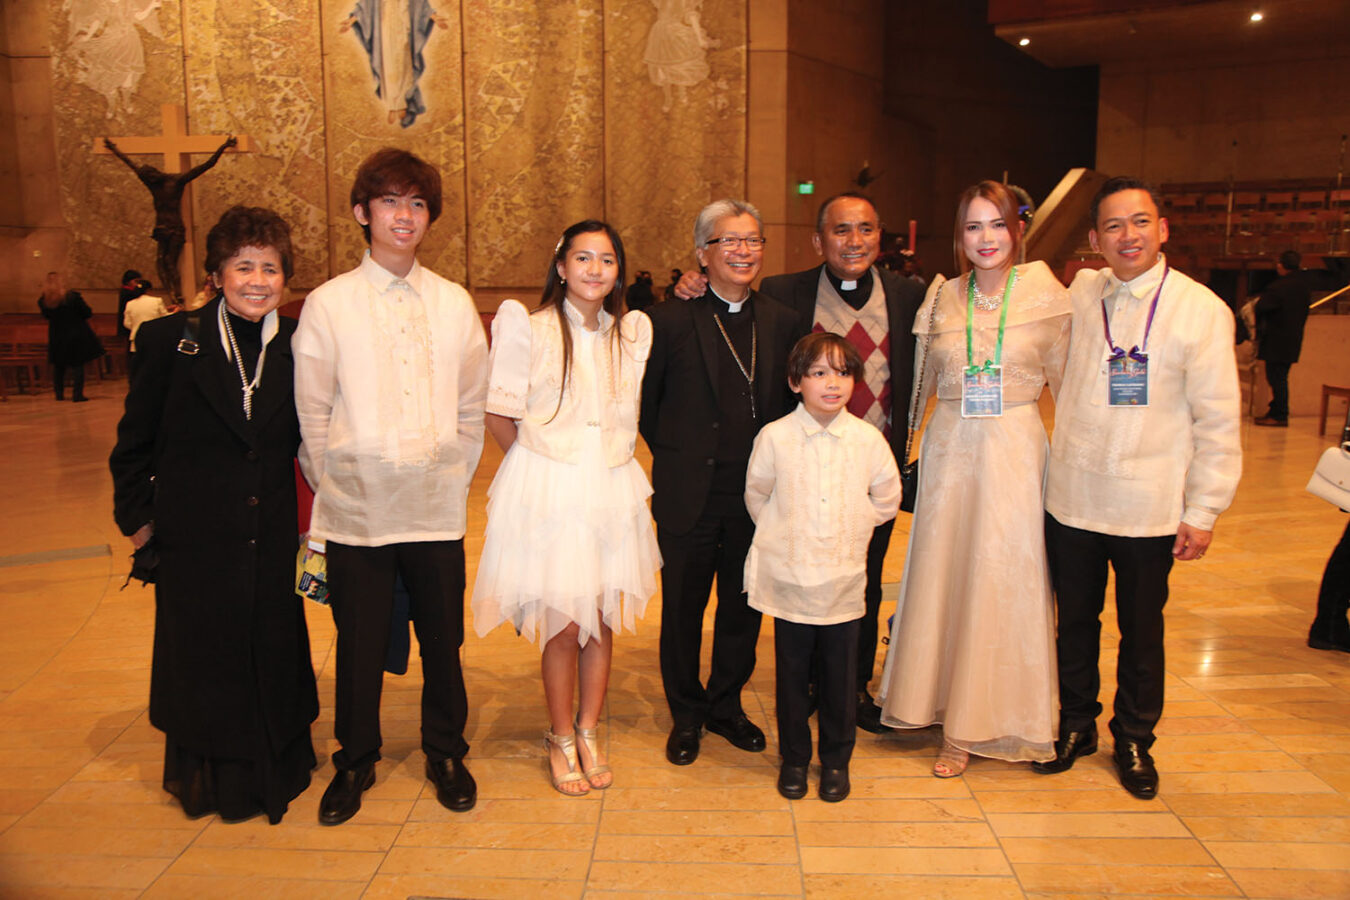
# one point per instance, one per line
(1145, 457)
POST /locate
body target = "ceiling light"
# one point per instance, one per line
(1257, 15)
(1024, 42)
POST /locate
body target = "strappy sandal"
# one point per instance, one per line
(951, 762)
(589, 738)
(567, 743)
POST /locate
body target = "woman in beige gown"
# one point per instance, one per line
(972, 643)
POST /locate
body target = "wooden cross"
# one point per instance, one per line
(176, 145)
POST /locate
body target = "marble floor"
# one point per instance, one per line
(1254, 748)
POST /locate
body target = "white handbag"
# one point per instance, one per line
(1331, 479)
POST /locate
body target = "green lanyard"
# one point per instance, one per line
(989, 364)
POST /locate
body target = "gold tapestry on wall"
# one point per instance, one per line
(254, 68)
(675, 82)
(423, 113)
(534, 92)
(537, 113)
(110, 73)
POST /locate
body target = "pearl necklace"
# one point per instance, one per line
(248, 386)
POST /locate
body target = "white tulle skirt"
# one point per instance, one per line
(566, 542)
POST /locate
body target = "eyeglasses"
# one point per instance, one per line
(731, 242)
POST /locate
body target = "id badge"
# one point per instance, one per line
(982, 394)
(1127, 382)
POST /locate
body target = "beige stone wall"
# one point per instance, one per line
(539, 113)
(1179, 122)
(816, 114)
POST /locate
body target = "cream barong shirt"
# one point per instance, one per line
(815, 493)
(1141, 471)
(390, 380)
(526, 380)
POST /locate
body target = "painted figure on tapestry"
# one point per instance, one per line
(394, 33)
(167, 190)
(106, 48)
(676, 48)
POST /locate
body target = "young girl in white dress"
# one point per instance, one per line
(569, 554)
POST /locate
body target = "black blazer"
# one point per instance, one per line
(1281, 314)
(230, 670)
(678, 419)
(903, 299)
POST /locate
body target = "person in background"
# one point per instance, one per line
(640, 293)
(675, 275)
(143, 309)
(71, 342)
(1281, 314)
(130, 290)
(1330, 629)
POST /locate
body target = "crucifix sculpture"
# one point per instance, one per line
(173, 206)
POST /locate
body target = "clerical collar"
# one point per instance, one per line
(863, 285)
(732, 308)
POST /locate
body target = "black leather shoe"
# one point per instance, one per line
(1135, 767)
(869, 714)
(682, 745)
(792, 781)
(1068, 748)
(455, 787)
(343, 797)
(742, 733)
(834, 785)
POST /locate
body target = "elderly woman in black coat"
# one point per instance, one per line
(203, 468)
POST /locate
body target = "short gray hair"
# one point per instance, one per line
(721, 209)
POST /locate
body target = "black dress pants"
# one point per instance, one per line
(361, 581)
(834, 648)
(1334, 597)
(1078, 568)
(715, 546)
(76, 379)
(1277, 376)
(867, 628)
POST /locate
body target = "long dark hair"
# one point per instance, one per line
(555, 291)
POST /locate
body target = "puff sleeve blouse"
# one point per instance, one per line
(525, 380)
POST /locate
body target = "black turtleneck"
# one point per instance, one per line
(861, 293)
(249, 337)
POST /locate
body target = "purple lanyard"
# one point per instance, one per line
(1136, 352)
